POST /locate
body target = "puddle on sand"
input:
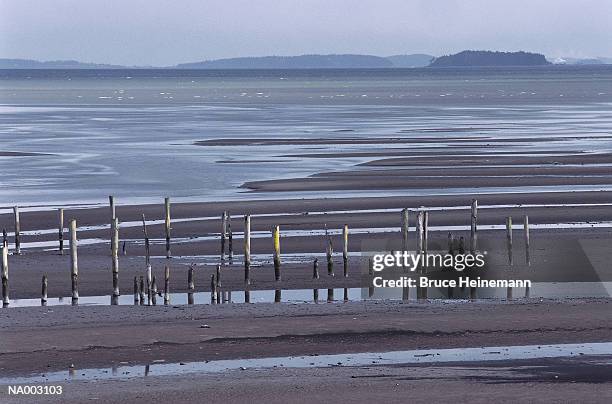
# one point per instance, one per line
(547, 290)
(502, 353)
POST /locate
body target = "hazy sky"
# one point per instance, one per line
(165, 32)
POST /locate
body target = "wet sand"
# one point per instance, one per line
(41, 340)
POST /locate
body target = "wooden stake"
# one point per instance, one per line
(141, 290)
(419, 232)
(136, 290)
(315, 295)
(60, 214)
(43, 291)
(223, 233)
(154, 291)
(218, 285)
(190, 285)
(315, 269)
(213, 288)
(451, 243)
(247, 296)
(167, 226)
(346, 296)
(474, 227)
(146, 241)
(509, 239)
(425, 231)
(247, 249)
(277, 256)
(166, 285)
(4, 238)
(345, 250)
(277, 296)
(115, 257)
(5, 277)
(230, 239)
(329, 253)
(111, 204)
(405, 227)
(17, 231)
(74, 266)
(330, 295)
(526, 228)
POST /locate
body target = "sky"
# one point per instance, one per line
(166, 32)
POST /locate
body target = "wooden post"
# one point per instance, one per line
(315, 269)
(315, 295)
(230, 239)
(218, 285)
(451, 243)
(277, 296)
(509, 247)
(425, 231)
(74, 266)
(330, 295)
(17, 231)
(136, 290)
(223, 233)
(277, 257)
(5, 277)
(167, 226)
(247, 295)
(4, 238)
(111, 204)
(166, 285)
(154, 291)
(509, 239)
(346, 296)
(329, 253)
(526, 228)
(345, 250)
(474, 227)
(141, 290)
(419, 248)
(146, 242)
(149, 281)
(190, 285)
(124, 248)
(213, 288)
(60, 214)
(115, 257)
(247, 249)
(405, 227)
(43, 291)
(461, 245)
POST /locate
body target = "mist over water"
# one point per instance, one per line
(131, 133)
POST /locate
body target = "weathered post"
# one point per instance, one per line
(315, 269)
(425, 231)
(17, 231)
(315, 295)
(141, 290)
(149, 281)
(213, 286)
(111, 204)
(346, 296)
(329, 253)
(330, 295)
(247, 249)
(154, 291)
(474, 227)
(166, 285)
(60, 216)
(277, 296)
(115, 259)
(451, 243)
(405, 227)
(230, 239)
(223, 233)
(4, 238)
(526, 228)
(345, 250)
(247, 295)
(190, 285)
(167, 225)
(5, 277)
(527, 254)
(43, 291)
(277, 257)
(146, 241)
(74, 266)
(218, 285)
(419, 249)
(136, 291)
(509, 248)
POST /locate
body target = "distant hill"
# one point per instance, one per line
(416, 60)
(54, 64)
(489, 58)
(292, 62)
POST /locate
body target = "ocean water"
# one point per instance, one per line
(131, 133)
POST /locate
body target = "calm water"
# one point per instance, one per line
(131, 132)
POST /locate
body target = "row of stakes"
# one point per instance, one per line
(148, 285)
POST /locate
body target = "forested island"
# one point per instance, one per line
(471, 58)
